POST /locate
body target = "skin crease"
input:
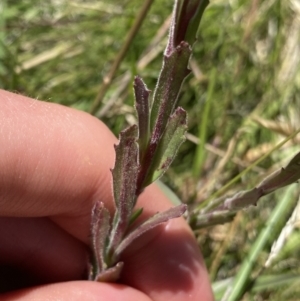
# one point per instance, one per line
(55, 163)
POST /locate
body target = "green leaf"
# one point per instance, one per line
(135, 215)
(168, 146)
(149, 224)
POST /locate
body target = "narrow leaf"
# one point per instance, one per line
(125, 170)
(142, 107)
(168, 146)
(99, 232)
(283, 177)
(173, 73)
(124, 183)
(152, 222)
(279, 179)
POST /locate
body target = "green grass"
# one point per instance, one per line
(60, 51)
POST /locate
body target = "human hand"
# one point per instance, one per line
(55, 163)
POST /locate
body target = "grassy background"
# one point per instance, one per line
(242, 98)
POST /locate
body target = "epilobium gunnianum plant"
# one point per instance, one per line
(146, 150)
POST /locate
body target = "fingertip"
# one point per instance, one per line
(171, 266)
(77, 291)
(168, 258)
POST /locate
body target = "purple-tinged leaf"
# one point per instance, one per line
(142, 107)
(282, 177)
(110, 275)
(99, 231)
(125, 169)
(185, 22)
(124, 183)
(165, 96)
(172, 138)
(149, 224)
(171, 77)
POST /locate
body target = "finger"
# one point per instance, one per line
(167, 263)
(36, 251)
(55, 162)
(73, 172)
(77, 291)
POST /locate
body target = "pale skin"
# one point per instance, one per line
(54, 164)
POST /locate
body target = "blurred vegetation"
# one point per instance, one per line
(243, 98)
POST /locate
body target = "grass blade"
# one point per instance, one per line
(203, 126)
(273, 227)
